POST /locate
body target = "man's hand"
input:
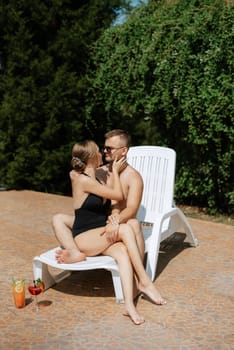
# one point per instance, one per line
(112, 232)
(113, 219)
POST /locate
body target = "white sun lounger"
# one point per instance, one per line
(157, 167)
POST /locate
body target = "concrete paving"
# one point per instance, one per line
(81, 312)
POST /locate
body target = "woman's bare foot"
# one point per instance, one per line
(131, 312)
(69, 256)
(152, 293)
(136, 292)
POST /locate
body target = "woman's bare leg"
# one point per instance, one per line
(119, 252)
(145, 285)
(62, 225)
(92, 242)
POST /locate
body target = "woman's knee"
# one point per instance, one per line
(59, 220)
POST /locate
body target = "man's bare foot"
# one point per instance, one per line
(152, 293)
(69, 256)
(131, 312)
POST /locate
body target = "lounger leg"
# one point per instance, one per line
(40, 270)
(191, 238)
(117, 286)
(152, 254)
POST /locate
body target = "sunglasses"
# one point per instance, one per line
(109, 149)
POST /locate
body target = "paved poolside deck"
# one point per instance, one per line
(81, 312)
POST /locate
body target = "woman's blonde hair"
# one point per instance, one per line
(81, 153)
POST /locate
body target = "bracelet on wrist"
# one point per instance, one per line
(115, 222)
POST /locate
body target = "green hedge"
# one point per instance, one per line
(167, 75)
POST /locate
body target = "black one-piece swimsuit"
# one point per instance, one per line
(92, 214)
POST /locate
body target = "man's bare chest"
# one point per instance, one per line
(124, 183)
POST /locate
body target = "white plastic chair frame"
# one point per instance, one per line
(157, 167)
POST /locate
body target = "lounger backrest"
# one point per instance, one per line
(157, 167)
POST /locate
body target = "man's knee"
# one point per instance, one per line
(125, 232)
(121, 249)
(136, 225)
(117, 250)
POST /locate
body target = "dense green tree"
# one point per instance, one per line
(45, 46)
(166, 74)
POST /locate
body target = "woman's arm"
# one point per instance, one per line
(115, 192)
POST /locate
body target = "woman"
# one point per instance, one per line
(91, 204)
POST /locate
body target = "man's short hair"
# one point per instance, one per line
(124, 135)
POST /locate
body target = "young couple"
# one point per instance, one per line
(106, 199)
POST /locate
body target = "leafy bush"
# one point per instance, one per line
(166, 74)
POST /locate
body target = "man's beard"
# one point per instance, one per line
(104, 161)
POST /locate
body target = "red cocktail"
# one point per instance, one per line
(35, 289)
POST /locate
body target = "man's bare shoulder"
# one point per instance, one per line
(132, 185)
(132, 174)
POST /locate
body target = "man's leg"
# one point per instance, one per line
(119, 252)
(145, 285)
(136, 226)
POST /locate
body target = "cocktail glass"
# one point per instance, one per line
(35, 290)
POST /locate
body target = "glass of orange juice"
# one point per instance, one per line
(19, 292)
